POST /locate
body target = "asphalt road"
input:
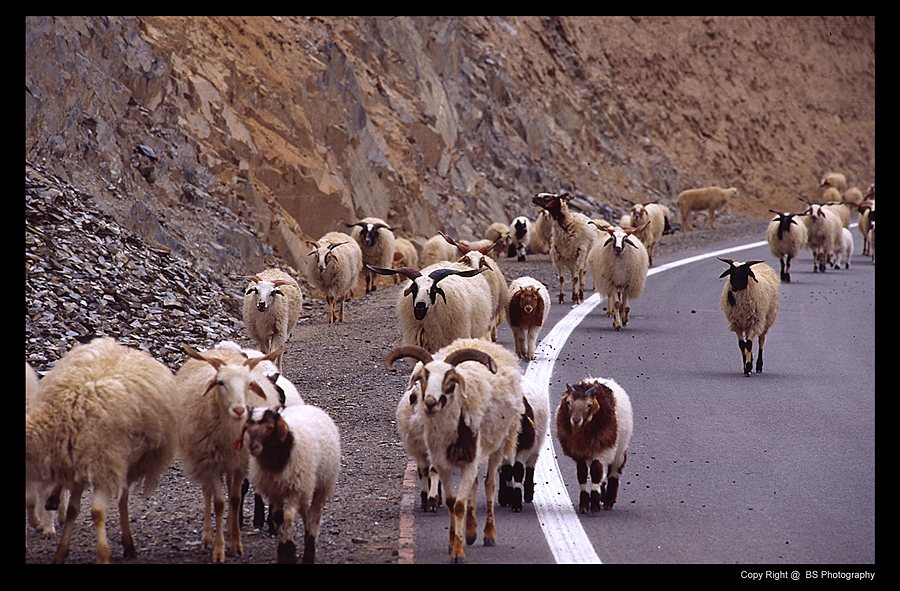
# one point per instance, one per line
(777, 468)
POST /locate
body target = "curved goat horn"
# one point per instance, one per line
(440, 274)
(272, 356)
(408, 272)
(463, 249)
(191, 352)
(458, 356)
(413, 351)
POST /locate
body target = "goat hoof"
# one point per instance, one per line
(516, 500)
(595, 501)
(584, 502)
(287, 553)
(471, 540)
(490, 542)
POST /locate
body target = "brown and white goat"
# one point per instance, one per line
(295, 459)
(471, 405)
(594, 424)
(529, 305)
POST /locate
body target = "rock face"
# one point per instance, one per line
(218, 136)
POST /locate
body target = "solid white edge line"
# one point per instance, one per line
(559, 521)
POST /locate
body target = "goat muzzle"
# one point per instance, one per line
(419, 310)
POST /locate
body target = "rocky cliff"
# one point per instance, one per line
(222, 137)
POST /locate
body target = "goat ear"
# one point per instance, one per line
(461, 389)
(281, 429)
(311, 244)
(257, 389)
(212, 384)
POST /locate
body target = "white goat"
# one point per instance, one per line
(376, 239)
(209, 426)
(436, 249)
(405, 255)
(333, 268)
(786, 238)
(619, 267)
(823, 229)
(517, 476)
(106, 420)
(463, 310)
(36, 494)
(650, 219)
(571, 241)
(499, 236)
(541, 233)
(411, 427)
(844, 250)
(750, 307)
(272, 305)
(479, 259)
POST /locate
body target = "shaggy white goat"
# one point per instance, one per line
(106, 420)
(333, 268)
(212, 392)
(272, 305)
(447, 301)
(619, 267)
(376, 239)
(517, 475)
(571, 241)
(749, 306)
(479, 259)
(786, 237)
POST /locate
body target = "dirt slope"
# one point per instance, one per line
(297, 123)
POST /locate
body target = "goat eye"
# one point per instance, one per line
(251, 290)
(220, 383)
(277, 292)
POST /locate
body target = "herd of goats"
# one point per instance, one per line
(103, 416)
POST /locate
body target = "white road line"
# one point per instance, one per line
(565, 535)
